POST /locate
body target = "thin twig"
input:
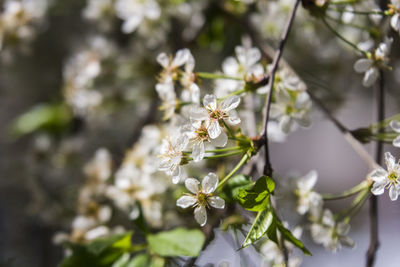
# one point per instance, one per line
(373, 206)
(278, 55)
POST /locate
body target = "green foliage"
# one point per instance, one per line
(260, 226)
(177, 242)
(52, 118)
(268, 224)
(257, 197)
(288, 236)
(99, 253)
(139, 261)
(231, 189)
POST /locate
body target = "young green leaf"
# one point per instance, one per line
(102, 252)
(257, 197)
(287, 234)
(52, 118)
(232, 187)
(177, 242)
(122, 241)
(260, 226)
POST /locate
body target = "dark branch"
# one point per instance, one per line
(275, 63)
(373, 206)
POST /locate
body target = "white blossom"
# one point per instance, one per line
(198, 134)
(215, 115)
(191, 91)
(330, 234)
(291, 109)
(171, 154)
(201, 198)
(387, 179)
(133, 12)
(370, 66)
(308, 199)
(171, 64)
(246, 65)
(395, 19)
(395, 125)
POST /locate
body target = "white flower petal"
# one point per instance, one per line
(210, 183)
(393, 193)
(378, 175)
(198, 114)
(192, 185)
(198, 151)
(286, 124)
(378, 189)
(214, 130)
(176, 175)
(190, 62)
(395, 22)
(210, 102)
(131, 24)
(200, 214)
(396, 141)
(186, 201)
(308, 181)
(230, 103)
(181, 57)
(216, 202)
(230, 66)
(327, 218)
(390, 161)
(233, 118)
(370, 77)
(195, 93)
(362, 65)
(395, 125)
(220, 141)
(304, 120)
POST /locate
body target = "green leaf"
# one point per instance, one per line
(46, 117)
(139, 261)
(231, 189)
(260, 226)
(101, 252)
(122, 261)
(177, 242)
(287, 234)
(257, 197)
(121, 241)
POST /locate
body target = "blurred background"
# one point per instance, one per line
(75, 81)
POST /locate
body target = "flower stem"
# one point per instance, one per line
(223, 149)
(213, 76)
(237, 167)
(237, 92)
(342, 38)
(348, 193)
(224, 155)
(372, 12)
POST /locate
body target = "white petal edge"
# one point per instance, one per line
(200, 214)
(185, 201)
(216, 202)
(210, 183)
(192, 185)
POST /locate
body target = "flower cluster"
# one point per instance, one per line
(18, 20)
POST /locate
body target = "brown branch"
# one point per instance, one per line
(275, 63)
(373, 202)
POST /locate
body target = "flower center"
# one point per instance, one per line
(202, 198)
(217, 114)
(202, 133)
(393, 177)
